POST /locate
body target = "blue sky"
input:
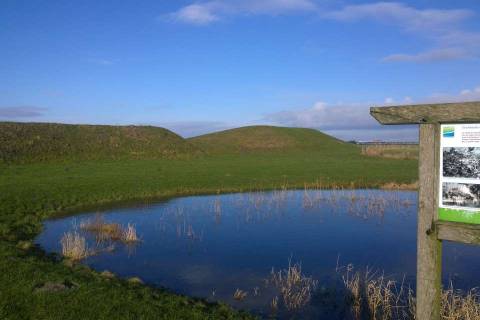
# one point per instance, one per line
(201, 66)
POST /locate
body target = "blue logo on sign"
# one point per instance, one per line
(449, 132)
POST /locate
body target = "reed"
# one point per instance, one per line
(103, 231)
(185, 230)
(217, 210)
(274, 304)
(217, 207)
(380, 297)
(353, 296)
(74, 246)
(295, 288)
(307, 199)
(457, 305)
(400, 186)
(375, 297)
(240, 295)
(129, 235)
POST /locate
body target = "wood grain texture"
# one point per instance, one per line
(429, 248)
(459, 232)
(428, 113)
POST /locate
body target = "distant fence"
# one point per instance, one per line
(407, 143)
(406, 151)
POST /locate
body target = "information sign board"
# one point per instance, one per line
(459, 185)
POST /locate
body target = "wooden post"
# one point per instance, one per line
(429, 248)
(430, 231)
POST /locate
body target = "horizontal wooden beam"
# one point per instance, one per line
(459, 232)
(428, 113)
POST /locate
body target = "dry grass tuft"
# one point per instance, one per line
(353, 297)
(296, 288)
(240, 295)
(103, 231)
(307, 200)
(400, 186)
(381, 296)
(378, 298)
(375, 297)
(129, 235)
(274, 304)
(135, 280)
(459, 306)
(74, 246)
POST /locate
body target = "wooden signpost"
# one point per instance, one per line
(442, 212)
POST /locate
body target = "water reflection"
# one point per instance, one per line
(223, 247)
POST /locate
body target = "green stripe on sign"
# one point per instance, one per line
(459, 216)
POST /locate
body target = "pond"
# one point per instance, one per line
(213, 246)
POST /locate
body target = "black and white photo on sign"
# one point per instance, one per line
(461, 194)
(461, 162)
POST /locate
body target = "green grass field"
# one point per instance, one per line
(51, 181)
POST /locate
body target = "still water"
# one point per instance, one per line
(210, 246)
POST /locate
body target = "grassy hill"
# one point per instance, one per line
(255, 139)
(38, 142)
(46, 142)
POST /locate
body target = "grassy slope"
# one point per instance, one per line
(32, 192)
(267, 139)
(34, 142)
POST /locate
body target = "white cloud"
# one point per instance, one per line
(277, 6)
(196, 14)
(471, 93)
(206, 12)
(442, 27)
(457, 37)
(465, 95)
(407, 17)
(21, 112)
(325, 116)
(344, 121)
(389, 100)
(430, 56)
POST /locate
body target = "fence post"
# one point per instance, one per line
(429, 248)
